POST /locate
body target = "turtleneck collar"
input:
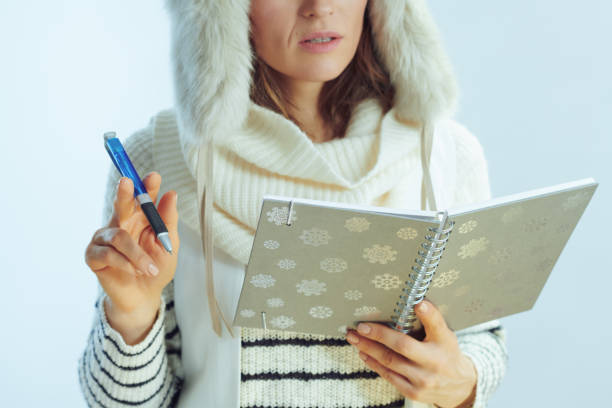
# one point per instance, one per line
(271, 155)
(275, 144)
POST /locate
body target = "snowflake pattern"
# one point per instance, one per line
(473, 306)
(333, 265)
(496, 311)
(357, 224)
(247, 313)
(311, 287)
(369, 311)
(575, 200)
(468, 226)
(461, 290)
(342, 329)
(380, 254)
(386, 281)
(321, 312)
(271, 244)
(535, 224)
(315, 237)
(275, 302)
(407, 233)
(286, 264)
(353, 294)
(262, 280)
(282, 322)
(446, 278)
(512, 214)
(278, 215)
(499, 256)
(472, 248)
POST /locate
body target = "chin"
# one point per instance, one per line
(319, 74)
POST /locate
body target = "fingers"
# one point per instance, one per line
(433, 322)
(167, 210)
(152, 183)
(125, 203)
(123, 206)
(403, 384)
(123, 244)
(381, 353)
(102, 258)
(399, 342)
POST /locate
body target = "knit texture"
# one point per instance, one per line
(271, 155)
(277, 368)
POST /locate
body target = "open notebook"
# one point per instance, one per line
(320, 267)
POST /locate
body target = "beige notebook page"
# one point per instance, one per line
(498, 259)
(328, 270)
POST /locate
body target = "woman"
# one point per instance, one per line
(364, 119)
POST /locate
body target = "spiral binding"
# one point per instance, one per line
(421, 275)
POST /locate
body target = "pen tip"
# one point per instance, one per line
(109, 135)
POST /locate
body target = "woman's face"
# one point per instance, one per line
(279, 27)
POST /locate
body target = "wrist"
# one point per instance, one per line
(469, 401)
(133, 326)
(466, 402)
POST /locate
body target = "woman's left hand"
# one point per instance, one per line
(432, 371)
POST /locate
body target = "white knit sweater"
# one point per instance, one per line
(279, 369)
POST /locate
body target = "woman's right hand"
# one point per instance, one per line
(125, 254)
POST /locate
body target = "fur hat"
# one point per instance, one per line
(212, 64)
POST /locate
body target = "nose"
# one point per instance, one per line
(316, 8)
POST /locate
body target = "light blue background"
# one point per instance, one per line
(535, 89)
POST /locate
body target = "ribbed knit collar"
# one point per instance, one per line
(271, 155)
(275, 144)
(275, 147)
(213, 63)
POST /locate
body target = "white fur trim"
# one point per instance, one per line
(213, 60)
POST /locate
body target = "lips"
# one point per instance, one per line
(320, 47)
(321, 34)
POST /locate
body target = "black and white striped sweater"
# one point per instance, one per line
(278, 369)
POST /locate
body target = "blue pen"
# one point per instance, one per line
(123, 163)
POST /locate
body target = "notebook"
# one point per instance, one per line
(321, 267)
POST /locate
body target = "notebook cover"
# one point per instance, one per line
(498, 258)
(333, 267)
(329, 269)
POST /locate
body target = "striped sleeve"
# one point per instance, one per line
(148, 374)
(485, 343)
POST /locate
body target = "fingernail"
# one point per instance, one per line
(153, 270)
(363, 328)
(422, 307)
(351, 338)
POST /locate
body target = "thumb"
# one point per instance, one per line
(168, 211)
(433, 321)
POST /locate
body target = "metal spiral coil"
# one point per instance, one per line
(421, 275)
